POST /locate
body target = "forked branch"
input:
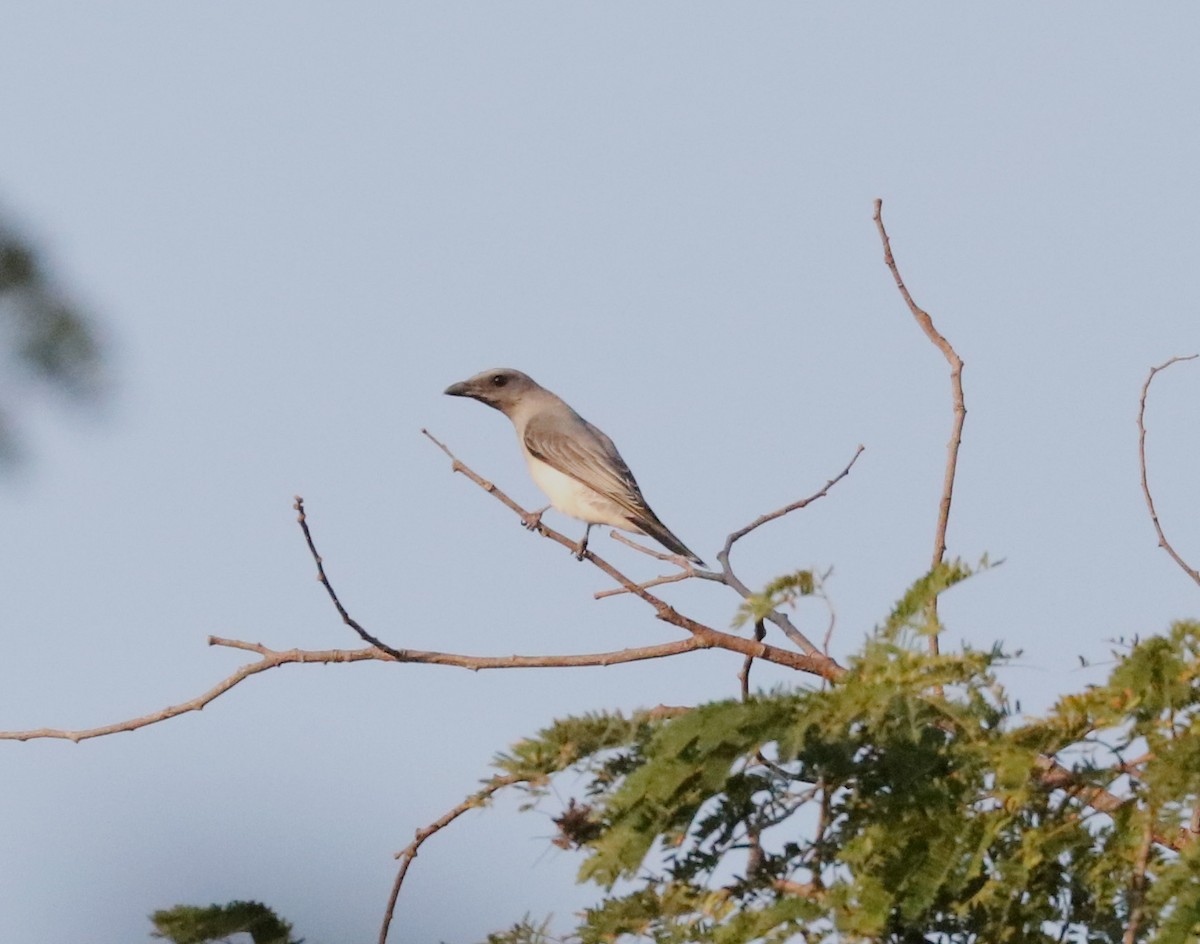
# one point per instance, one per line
(811, 660)
(727, 575)
(366, 637)
(699, 637)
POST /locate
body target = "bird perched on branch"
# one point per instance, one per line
(575, 464)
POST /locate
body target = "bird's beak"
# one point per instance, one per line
(458, 390)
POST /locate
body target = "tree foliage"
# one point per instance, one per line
(190, 924)
(902, 797)
(910, 802)
(45, 340)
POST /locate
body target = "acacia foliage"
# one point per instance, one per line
(192, 924)
(910, 802)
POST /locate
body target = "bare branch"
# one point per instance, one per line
(271, 658)
(812, 660)
(645, 585)
(686, 570)
(1054, 776)
(409, 852)
(832, 617)
(960, 407)
(700, 637)
(475, 801)
(1162, 538)
(779, 619)
(798, 889)
(788, 509)
(816, 661)
(346, 618)
(727, 576)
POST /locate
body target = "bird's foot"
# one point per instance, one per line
(533, 520)
(581, 547)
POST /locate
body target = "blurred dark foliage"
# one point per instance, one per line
(47, 345)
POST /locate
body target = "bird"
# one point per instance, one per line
(572, 461)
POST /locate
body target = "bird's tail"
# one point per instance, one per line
(651, 526)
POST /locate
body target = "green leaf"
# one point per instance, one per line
(189, 924)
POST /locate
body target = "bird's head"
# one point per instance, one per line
(502, 388)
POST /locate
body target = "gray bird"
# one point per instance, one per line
(575, 464)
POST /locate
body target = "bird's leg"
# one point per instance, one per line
(533, 520)
(582, 548)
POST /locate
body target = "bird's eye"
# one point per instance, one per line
(499, 380)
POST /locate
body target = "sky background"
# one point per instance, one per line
(297, 223)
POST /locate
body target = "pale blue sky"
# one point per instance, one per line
(299, 222)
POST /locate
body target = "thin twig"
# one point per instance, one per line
(321, 576)
(1162, 538)
(474, 801)
(646, 585)
(409, 852)
(755, 856)
(727, 576)
(686, 570)
(960, 408)
(832, 617)
(270, 660)
(760, 633)
(788, 509)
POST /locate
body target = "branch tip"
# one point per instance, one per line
(959, 402)
(1141, 423)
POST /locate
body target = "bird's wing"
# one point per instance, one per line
(569, 443)
(576, 448)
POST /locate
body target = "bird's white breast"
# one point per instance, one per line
(573, 498)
